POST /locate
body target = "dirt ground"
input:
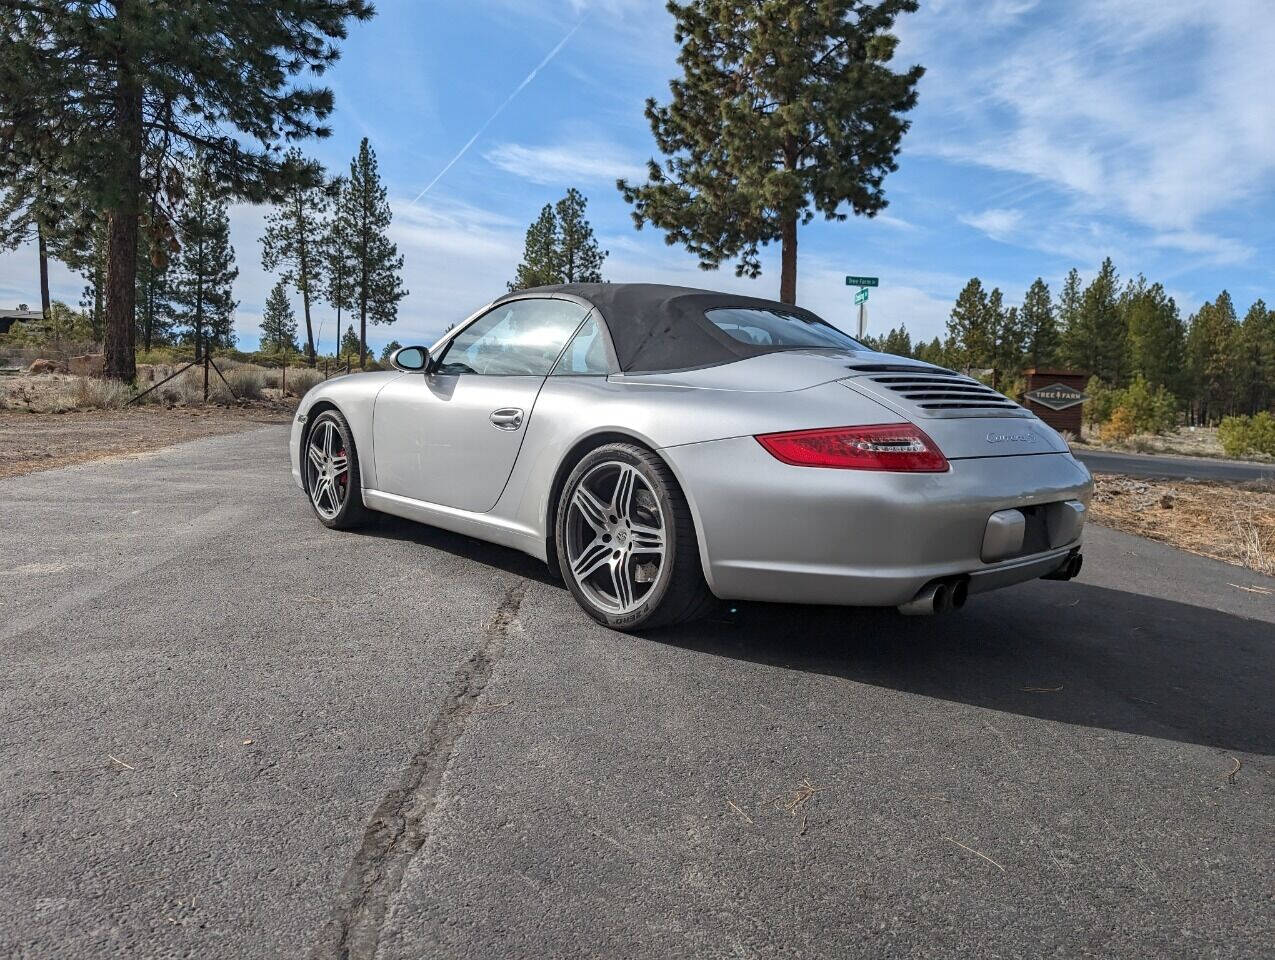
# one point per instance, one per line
(40, 441)
(1231, 523)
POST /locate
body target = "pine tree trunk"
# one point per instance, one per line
(362, 333)
(119, 346)
(788, 262)
(45, 305)
(305, 284)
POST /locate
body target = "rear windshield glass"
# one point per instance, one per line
(774, 328)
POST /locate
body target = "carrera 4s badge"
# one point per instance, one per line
(1011, 438)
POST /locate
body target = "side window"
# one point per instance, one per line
(518, 338)
(586, 355)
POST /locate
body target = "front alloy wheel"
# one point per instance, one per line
(332, 472)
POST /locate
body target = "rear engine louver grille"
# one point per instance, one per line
(945, 392)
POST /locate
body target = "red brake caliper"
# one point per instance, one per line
(344, 479)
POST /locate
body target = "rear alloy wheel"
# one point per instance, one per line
(626, 543)
(332, 472)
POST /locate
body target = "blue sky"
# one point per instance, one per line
(1049, 134)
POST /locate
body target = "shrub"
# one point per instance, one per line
(246, 381)
(1245, 435)
(1141, 409)
(1120, 425)
(301, 380)
(1101, 403)
(89, 394)
(1152, 411)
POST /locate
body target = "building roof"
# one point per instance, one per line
(21, 315)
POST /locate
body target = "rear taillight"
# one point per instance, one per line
(886, 446)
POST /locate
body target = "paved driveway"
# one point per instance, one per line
(1157, 467)
(229, 732)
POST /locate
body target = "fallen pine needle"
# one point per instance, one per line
(1041, 689)
(976, 853)
(1238, 763)
(121, 762)
(739, 811)
(1261, 590)
(804, 791)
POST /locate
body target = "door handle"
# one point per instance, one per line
(506, 418)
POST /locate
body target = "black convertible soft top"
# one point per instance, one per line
(657, 328)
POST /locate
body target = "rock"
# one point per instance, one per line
(1166, 502)
(44, 367)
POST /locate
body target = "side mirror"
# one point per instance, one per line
(410, 359)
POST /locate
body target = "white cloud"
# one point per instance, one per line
(567, 163)
(998, 223)
(1213, 249)
(1150, 112)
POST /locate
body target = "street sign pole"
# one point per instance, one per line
(861, 298)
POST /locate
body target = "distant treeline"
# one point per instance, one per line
(1213, 364)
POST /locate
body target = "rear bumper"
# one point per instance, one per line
(770, 531)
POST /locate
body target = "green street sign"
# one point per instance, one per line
(861, 296)
(863, 282)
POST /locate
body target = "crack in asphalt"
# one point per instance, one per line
(399, 827)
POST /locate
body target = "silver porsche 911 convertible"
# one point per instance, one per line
(665, 448)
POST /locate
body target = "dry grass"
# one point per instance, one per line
(90, 394)
(246, 381)
(1235, 524)
(301, 379)
(61, 394)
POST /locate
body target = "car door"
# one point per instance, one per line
(451, 436)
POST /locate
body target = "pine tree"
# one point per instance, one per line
(294, 238)
(1009, 338)
(1069, 303)
(98, 91)
(1257, 346)
(579, 258)
(1157, 338)
(388, 350)
(897, 342)
(540, 266)
(364, 217)
(1094, 337)
(560, 247)
(784, 108)
(205, 271)
(350, 342)
(970, 329)
(1040, 326)
(154, 306)
(338, 255)
(278, 323)
(26, 212)
(1212, 343)
(931, 352)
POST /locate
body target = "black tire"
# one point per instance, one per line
(679, 592)
(351, 513)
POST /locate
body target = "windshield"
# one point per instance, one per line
(775, 328)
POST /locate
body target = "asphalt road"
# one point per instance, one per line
(1156, 467)
(230, 732)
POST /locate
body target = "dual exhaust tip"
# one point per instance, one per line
(941, 596)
